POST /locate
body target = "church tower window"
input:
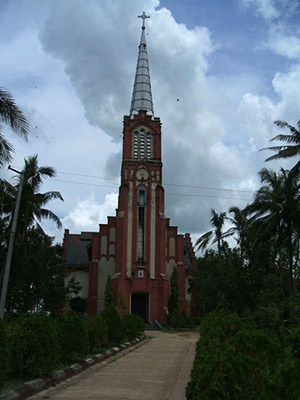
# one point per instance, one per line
(142, 144)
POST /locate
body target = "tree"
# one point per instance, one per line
(36, 280)
(11, 115)
(215, 235)
(32, 209)
(240, 226)
(173, 300)
(292, 146)
(276, 212)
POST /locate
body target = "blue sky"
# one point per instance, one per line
(233, 65)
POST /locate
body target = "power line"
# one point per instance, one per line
(169, 194)
(165, 183)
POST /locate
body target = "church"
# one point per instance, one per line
(138, 247)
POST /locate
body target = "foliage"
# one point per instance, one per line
(236, 360)
(173, 300)
(216, 235)
(108, 295)
(11, 115)
(97, 332)
(181, 320)
(72, 337)
(3, 353)
(116, 328)
(276, 213)
(134, 325)
(292, 146)
(33, 345)
(122, 305)
(224, 280)
(32, 206)
(36, 280)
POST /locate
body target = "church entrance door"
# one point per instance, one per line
(140, 305)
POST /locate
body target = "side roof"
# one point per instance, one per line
(77, 250)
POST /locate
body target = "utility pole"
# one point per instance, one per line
(11, 244)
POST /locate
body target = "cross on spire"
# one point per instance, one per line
(143, 16)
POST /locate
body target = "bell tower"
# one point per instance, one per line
(141, 170)
(138, 248)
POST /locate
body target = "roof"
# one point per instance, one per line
(77, 253)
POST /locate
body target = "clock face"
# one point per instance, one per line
(142, 175)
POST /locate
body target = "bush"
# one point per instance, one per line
(97, 332)
(33, 345)
(134, 325)
(236, 360)
(3, 353)
(181, 321)
(72, 337)
(116, 328)
(140, 324)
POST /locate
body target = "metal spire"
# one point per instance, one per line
(142, 96)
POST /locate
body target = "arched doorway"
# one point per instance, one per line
(140, 305)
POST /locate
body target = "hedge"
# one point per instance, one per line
(116, 328)
(97, 332)
(33, 344)
(72, 337)
(3, 353)
(236, 360)
(134, 325)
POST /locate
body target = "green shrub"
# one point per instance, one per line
(181, 321)
(134, 325)
(140, 324)
(130, 324)
(33, 345)
(3, 353)
(116, 328)
(97, 332)
(236, 360)
(72, 337)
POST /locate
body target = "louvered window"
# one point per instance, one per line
(142, 144)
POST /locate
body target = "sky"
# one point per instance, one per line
(221, 72)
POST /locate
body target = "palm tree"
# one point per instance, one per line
(32, 204)
(240, 226)
(276, 212)
(11, 115)
(215, 235)
(292, 146)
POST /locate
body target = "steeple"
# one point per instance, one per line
(142, 96)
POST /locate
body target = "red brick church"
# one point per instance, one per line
(138, 247)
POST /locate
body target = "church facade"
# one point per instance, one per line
(137, 248)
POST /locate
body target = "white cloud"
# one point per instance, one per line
(88, 214)
(284, 45)
(266, 8)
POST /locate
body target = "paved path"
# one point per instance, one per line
(156, 370)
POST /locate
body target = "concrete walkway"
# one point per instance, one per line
(157, 370)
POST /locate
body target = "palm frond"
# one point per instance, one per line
(44, 213)
(5, 150)
(10, 114)
(283, 124)
(203, 240)
(287, 138)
